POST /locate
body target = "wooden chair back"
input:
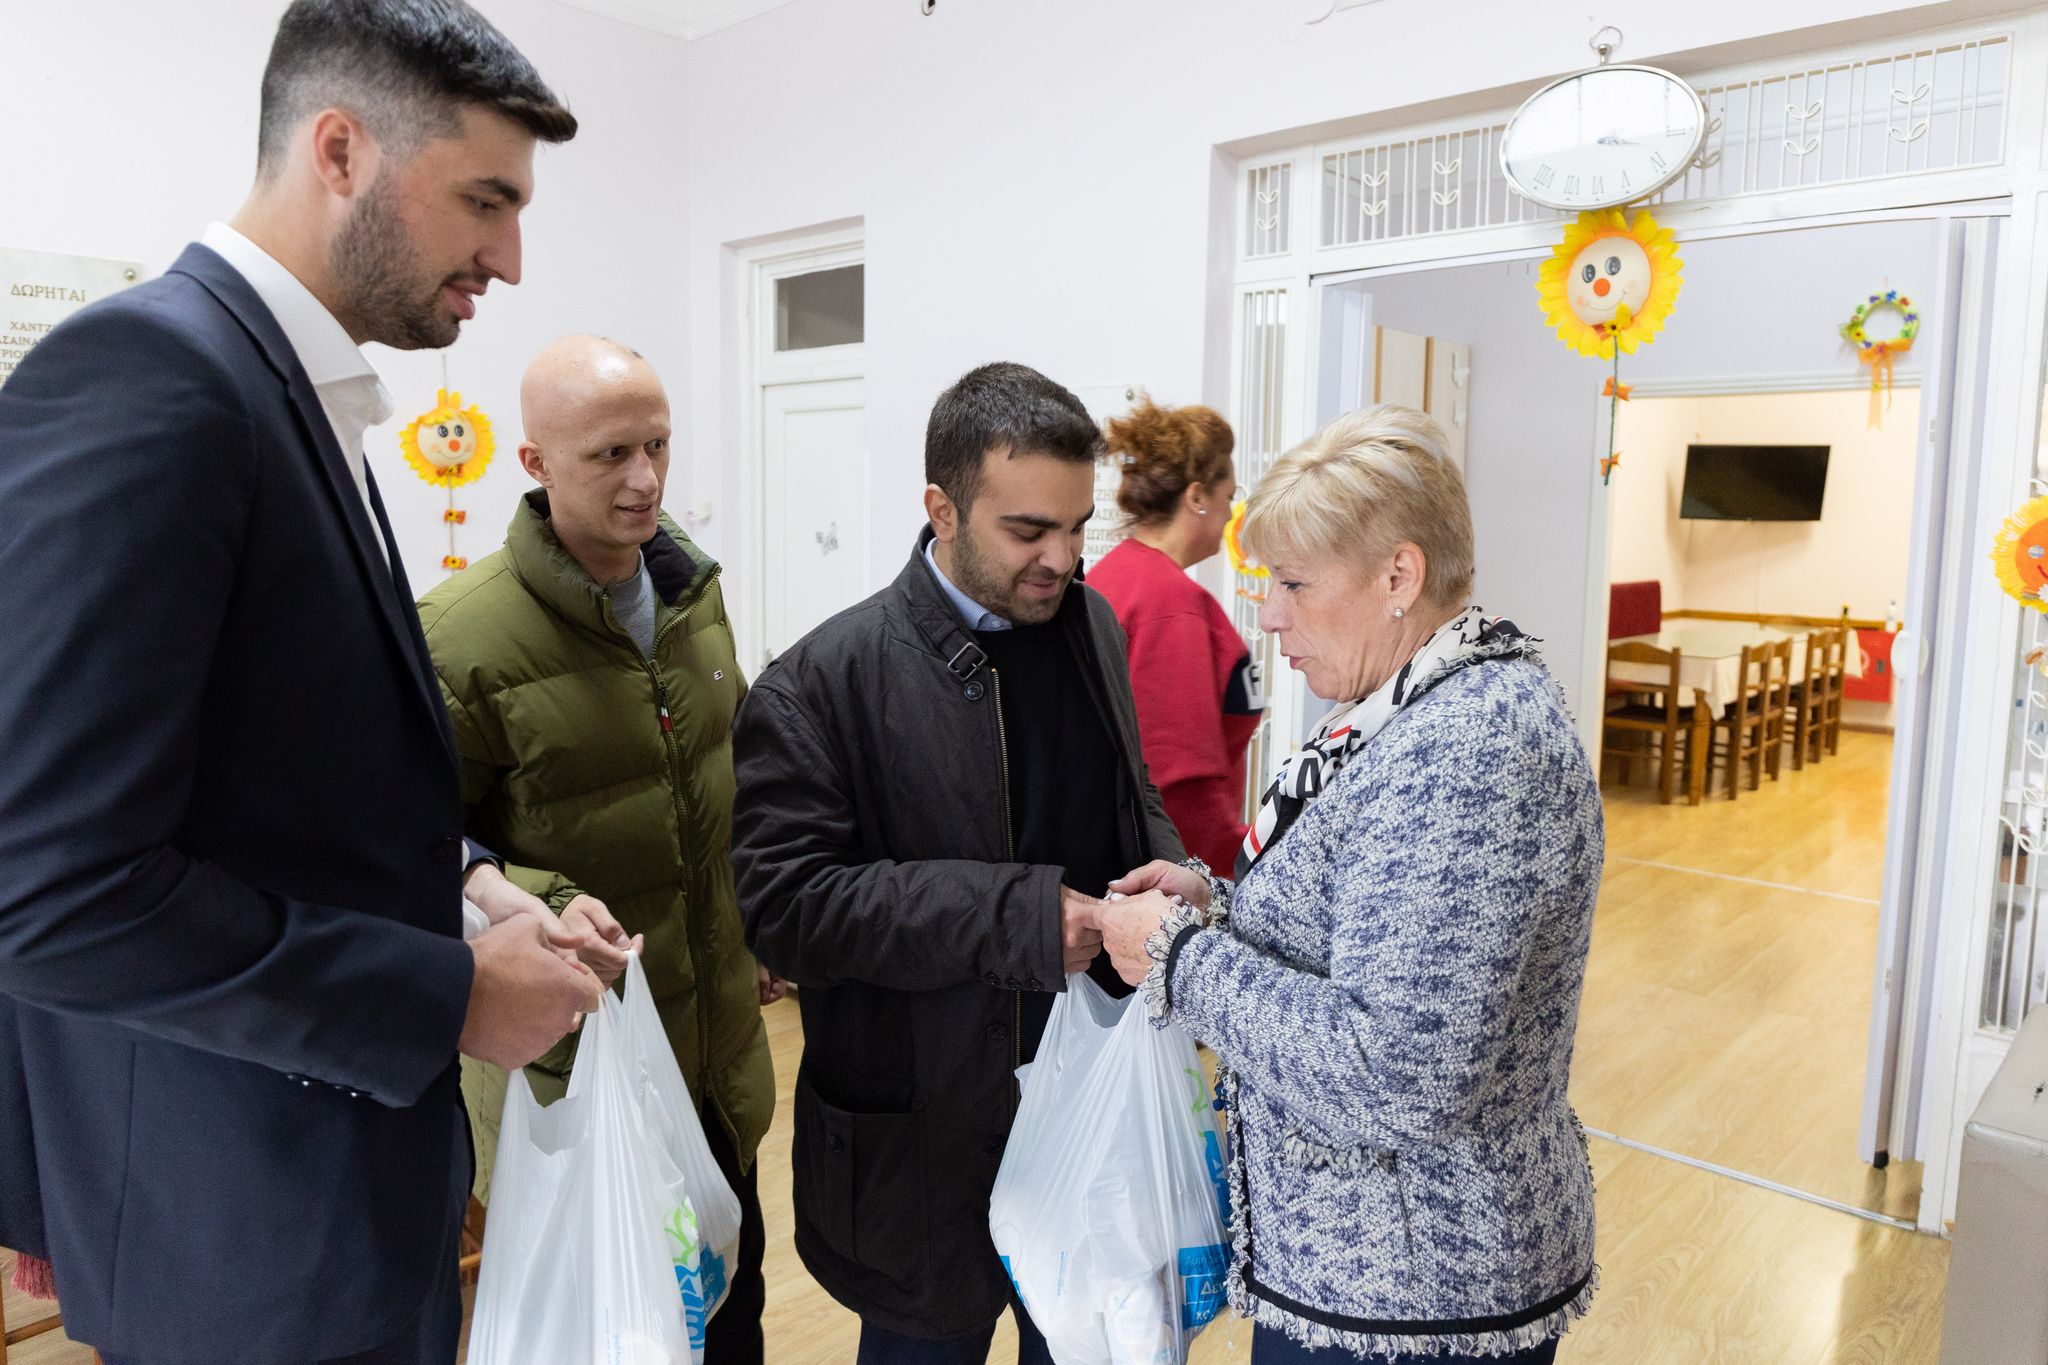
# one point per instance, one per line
(1777, 677)
(1640, 654)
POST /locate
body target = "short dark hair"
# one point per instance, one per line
(1007, 407)
(404, 67)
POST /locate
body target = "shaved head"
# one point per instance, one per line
(597, 428)
(573, 375)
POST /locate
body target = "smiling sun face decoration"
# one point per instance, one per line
(449, 446)
(2020, 554)
(1611, 281)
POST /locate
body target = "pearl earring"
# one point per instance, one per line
(1399, 613)
(1201, 511)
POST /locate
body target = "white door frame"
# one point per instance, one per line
(1966, 473)
(761, 367)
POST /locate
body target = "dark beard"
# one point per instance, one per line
(983, 580)
(379, 274)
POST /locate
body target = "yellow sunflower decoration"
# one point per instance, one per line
(1607, 288)
(449, 446)
(2019, 553)
(1611, 282)
(1233, 542)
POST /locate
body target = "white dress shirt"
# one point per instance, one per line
(973, 615)
(351, 394)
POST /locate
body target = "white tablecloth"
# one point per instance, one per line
(1710, 658)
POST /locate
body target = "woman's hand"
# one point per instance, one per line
(1127, 921)
(602, 944)
(1171, 878)
(773, 987)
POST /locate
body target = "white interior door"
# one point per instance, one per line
(815, 486)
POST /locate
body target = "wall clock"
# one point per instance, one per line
(1603, 137)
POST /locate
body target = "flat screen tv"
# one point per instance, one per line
(1753, 483)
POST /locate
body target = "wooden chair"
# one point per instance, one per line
(1744, 723)
(11, 1337)
(1808, 703)
(1647, 709)
(1777, 703)
(1839, 645)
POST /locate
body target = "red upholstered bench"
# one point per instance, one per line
(1635, 609)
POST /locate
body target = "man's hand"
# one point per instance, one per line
(601, 944)
(773, 987)
(1080, 935)
(525, 996)
(490, 891)
(1170, 878)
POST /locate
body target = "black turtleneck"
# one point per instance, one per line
(1065, 776)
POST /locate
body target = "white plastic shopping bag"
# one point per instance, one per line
(1110, 1206)
(610, 1225)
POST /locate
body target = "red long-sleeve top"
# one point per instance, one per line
(1198, 695)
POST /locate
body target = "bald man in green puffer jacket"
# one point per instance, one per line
(590, 675)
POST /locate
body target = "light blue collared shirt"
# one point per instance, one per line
(972, 614)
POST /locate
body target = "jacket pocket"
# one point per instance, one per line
(859, 1180)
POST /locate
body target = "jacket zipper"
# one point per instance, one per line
(1009, 855)
(680, 802)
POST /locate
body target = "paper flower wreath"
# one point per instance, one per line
(449, 446)
(1611, 281)
(2019, 553)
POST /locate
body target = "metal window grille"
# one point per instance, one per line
(2016, 952)
(1877, 117)
(1449, 182)
(1873, 118)
(1267, 209)
(1260, 431)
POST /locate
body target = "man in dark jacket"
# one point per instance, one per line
(934, 787)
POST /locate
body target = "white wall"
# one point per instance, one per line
(1853, 557)
(1040, 182)
(136, 125)
(1645, 538)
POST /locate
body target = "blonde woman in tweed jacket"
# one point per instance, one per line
(1393, 984)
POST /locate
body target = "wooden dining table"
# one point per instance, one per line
(1710, 667)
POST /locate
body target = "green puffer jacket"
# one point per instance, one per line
(588, 769)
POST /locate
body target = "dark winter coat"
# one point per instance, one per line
(872, 846)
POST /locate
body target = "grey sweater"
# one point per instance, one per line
(1393, 999)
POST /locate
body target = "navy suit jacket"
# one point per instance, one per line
(231, 969)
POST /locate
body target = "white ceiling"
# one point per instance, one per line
(683, 18)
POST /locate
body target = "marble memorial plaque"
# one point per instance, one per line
(38, 290)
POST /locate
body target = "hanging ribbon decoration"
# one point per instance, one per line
(1881, 353)
(1607, 288)
(449, 445)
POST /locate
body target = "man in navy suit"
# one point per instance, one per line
(233, 981)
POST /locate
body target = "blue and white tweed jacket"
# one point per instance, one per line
(1393, 998)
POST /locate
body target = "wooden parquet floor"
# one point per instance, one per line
(1723, 1019)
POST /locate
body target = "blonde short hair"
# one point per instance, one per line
(1361, 487)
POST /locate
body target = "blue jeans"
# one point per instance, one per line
(880, 1346)
(1277, 1348)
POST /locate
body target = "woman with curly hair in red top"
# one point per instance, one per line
(1197, 688)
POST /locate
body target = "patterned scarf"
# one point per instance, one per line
(1467, 639)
